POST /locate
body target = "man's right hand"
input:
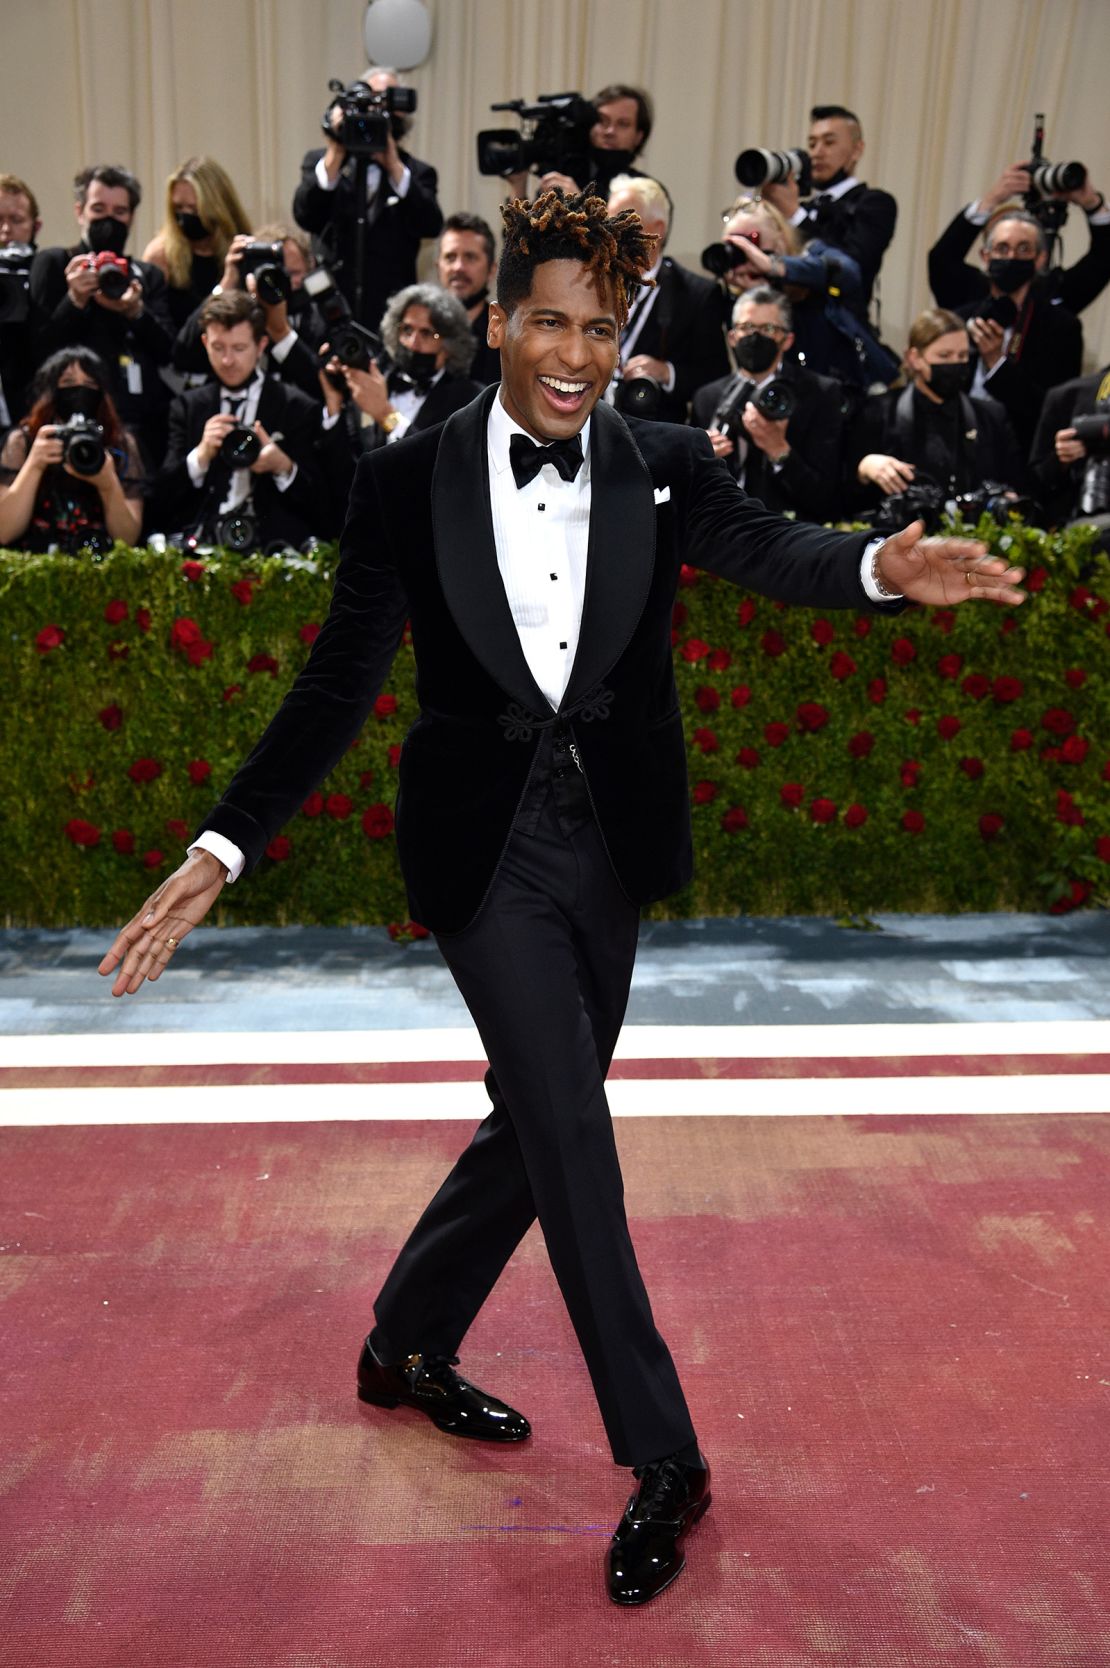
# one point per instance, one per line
(212, 438)
(721, 444)
(232, 276)
(1069, 447)
(143, 948)
(1013, 182)
(81, 281)
(335, 154)
(46, 448)
(889, 474)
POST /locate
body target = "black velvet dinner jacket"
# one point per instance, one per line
(418, 544)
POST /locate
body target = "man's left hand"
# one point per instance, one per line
(769, 437)
(946, 571)
(271, 460)
(988, 336)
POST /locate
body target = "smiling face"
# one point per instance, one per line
(559, 348)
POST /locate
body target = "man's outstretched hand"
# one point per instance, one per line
(946, 571)
(146, 944)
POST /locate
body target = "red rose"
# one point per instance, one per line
(902, 651)
(377, 822)
(862, 626)
(792, 794)
(232, 690)
(1079, 598)
(990, 825)
(313, 805)
(82, 833)
(1059, 720)
(822, 632)
(861, 744)
(773, 643)
(279, 848)
(111, 717)
(193, 571)
(1007, 689)
(118, 651)
(243, 592)
(1009, 624)
(976, 686)
(841, 665)
(687, 576)
(948, 726)
(178, 829)
(679, 614)
(124, 842)
(704, 792)
(1077, 894)
(972, 768)
(365, 780)
(876, 691)
(812, 716)
(338, 805)
(748, 757)
(144, 770)
(745, 613)
(1067, 811)
(385, 706)
(1102, 847)
(1051, 755)
(911, 770)
(822, 810)
(1020, 740)
(197, 653)
(675, 634)
(50, 637)
(913, 822)
(394, 755)
(706, 699)
(142, 618)
(912, 715)
(734, 820)
(199, 771)
(309, 633)
(1075, 677)
(719, 661)
(741, 695)
(263, 663)
(417, 930)
(1074, 750)
(116, 611)
(153, 859)
(183, 632)
(775, 734)
(944, 619)
(706, 741)
(855, 816)
(1035, 581)
(948, 666)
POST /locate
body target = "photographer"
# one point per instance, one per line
(214, 481)
(466, 266)
(93, 295)
(55, 495)
(1070, 460)
(401, 208)
(792, 463)
(19, 227)
(203, 215)
(619, 133)
(932, 431)
(675, 333)
(842, 211)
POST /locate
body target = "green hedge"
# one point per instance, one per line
(943, 760)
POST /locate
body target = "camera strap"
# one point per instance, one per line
(966, 432)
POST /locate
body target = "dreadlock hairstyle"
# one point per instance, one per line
(557, 227)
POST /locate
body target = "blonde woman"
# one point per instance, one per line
(203, 214)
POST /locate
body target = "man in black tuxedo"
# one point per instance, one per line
(535, 543)
(789, 463)
(198, 486)
(675, 333)
(401, 210)
(1072, 477)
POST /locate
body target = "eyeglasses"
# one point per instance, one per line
(771, 331)
(418, 333)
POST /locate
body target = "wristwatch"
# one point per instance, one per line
(389, 421)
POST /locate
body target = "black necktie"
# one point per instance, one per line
(819, 203)
(528, 459)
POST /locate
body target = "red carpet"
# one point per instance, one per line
(893, 1336)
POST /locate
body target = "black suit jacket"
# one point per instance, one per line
(954, 281)
(1058, 484)
(992, 456)
(1051, 350)
(861, 222)
(290, 516)
(486, 365)
(686, 326)
(396, 227)
(354, 438)
(419, 545)
(809, 481)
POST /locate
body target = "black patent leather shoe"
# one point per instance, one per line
(645, 1554)
(430, 1385)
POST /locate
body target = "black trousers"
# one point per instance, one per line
(545, 971)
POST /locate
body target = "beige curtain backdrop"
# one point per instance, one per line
(946, 90)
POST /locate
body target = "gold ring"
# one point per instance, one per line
(968, 575)
(171, 943)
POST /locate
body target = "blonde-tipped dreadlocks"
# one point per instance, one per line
(576, 228)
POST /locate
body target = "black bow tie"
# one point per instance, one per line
(528, 459)
(821, 201)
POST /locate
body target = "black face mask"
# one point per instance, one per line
(418, 367)
(76, 401)
(1009, 276)
(610, 163)
(948, 380)
(755, 353)
(192, 226)
(106, 233)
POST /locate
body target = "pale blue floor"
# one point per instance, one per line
(918, 969)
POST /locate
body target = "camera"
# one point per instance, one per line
(1094, 431)
(113, 273)
(1046, 181)
(364, 122)
(926, 501)
(1001, 308)
(722, 258)
(777, 401)
(239, 448)
(237, 530)
(82, 444)
(267, 262)
(755, 168)
(637, 396)
(357, 348)
(554, 135)
(15, 283)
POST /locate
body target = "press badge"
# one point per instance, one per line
(133, 372)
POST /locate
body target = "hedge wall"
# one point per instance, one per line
(945, 760)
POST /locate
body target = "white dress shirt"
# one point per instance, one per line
(373, 180)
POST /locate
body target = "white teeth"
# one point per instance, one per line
(565, 387)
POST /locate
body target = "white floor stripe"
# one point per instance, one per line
(165, 1048)
(289, 1103)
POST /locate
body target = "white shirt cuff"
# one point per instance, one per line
(976, 214)
(280, 351)
(322, 179)
(399, 429)
(329, 419)
(223, 850)
(285, 481)
(197, 471)
(401, 189)
(869, 584)
(799, 217)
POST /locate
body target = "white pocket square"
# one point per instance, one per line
(662, 495)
